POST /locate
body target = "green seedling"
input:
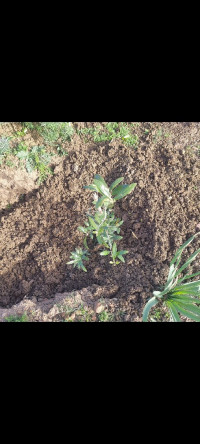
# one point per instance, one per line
(109, 195)
(179, 298)
(103, 225)
(77, 258)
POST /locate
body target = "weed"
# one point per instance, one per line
(77, 258)
(4, 148)
(103, 224)
(61, 151)
(104, 316)
(35, 159)
(178, 298)
(113, 130)
(52, 131)
(15, 318)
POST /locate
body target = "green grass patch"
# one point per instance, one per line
(112, 131)
(22, 318)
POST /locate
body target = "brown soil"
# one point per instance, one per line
(38, 233)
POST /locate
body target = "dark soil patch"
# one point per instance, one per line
(38, 234)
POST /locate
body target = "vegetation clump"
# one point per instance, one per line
(103, 226)
(178, 297)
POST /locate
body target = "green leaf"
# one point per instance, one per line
(185, 265)
(116, 182)
(91, 187)
(101, 179)
(174, 313)
(186, 313)
(121, 257)
(99, 239)
(153, 301)
(85, 242)
(180, 250)
(172, 271)
(190, 307)
(122, 191)
(22, 154)
(84, 230)
(123, 251)
(103, 189)
(188, 276)
(92, 222)
(104, 253)
(188, 286)
(100, 201)
(114, 250)
(184, 299)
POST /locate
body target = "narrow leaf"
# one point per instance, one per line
(121, 257)
(174, 313)
(188, 276)
(185, 265)
(100, 201)
(103, 189)
(114, 250)
(91, 187)
(186, 313)
(180, 250)
(190, 307)
(116, 182)
(104, 253)
(153, 301)
(123, 190)
(101, 179)
(92, 222)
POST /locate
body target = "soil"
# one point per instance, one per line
(38, 232)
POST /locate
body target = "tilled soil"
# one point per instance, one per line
(38, 234)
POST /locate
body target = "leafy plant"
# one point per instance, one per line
(103, 225)
(52, 131)
(104, 316)
(4, 148)
(15, 318)
(178, 297)
(77, 258)
(35, 159)
(113, 130)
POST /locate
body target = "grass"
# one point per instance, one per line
(22, 318)
(36, 157)
(104, 316)
(52, 131)
(180, 299)
(112, 131)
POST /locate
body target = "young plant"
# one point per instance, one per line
(179, 298)
(77, 258)
(4, 148)
(103, 225)
(35, 159)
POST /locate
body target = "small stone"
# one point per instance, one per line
(99, 307)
